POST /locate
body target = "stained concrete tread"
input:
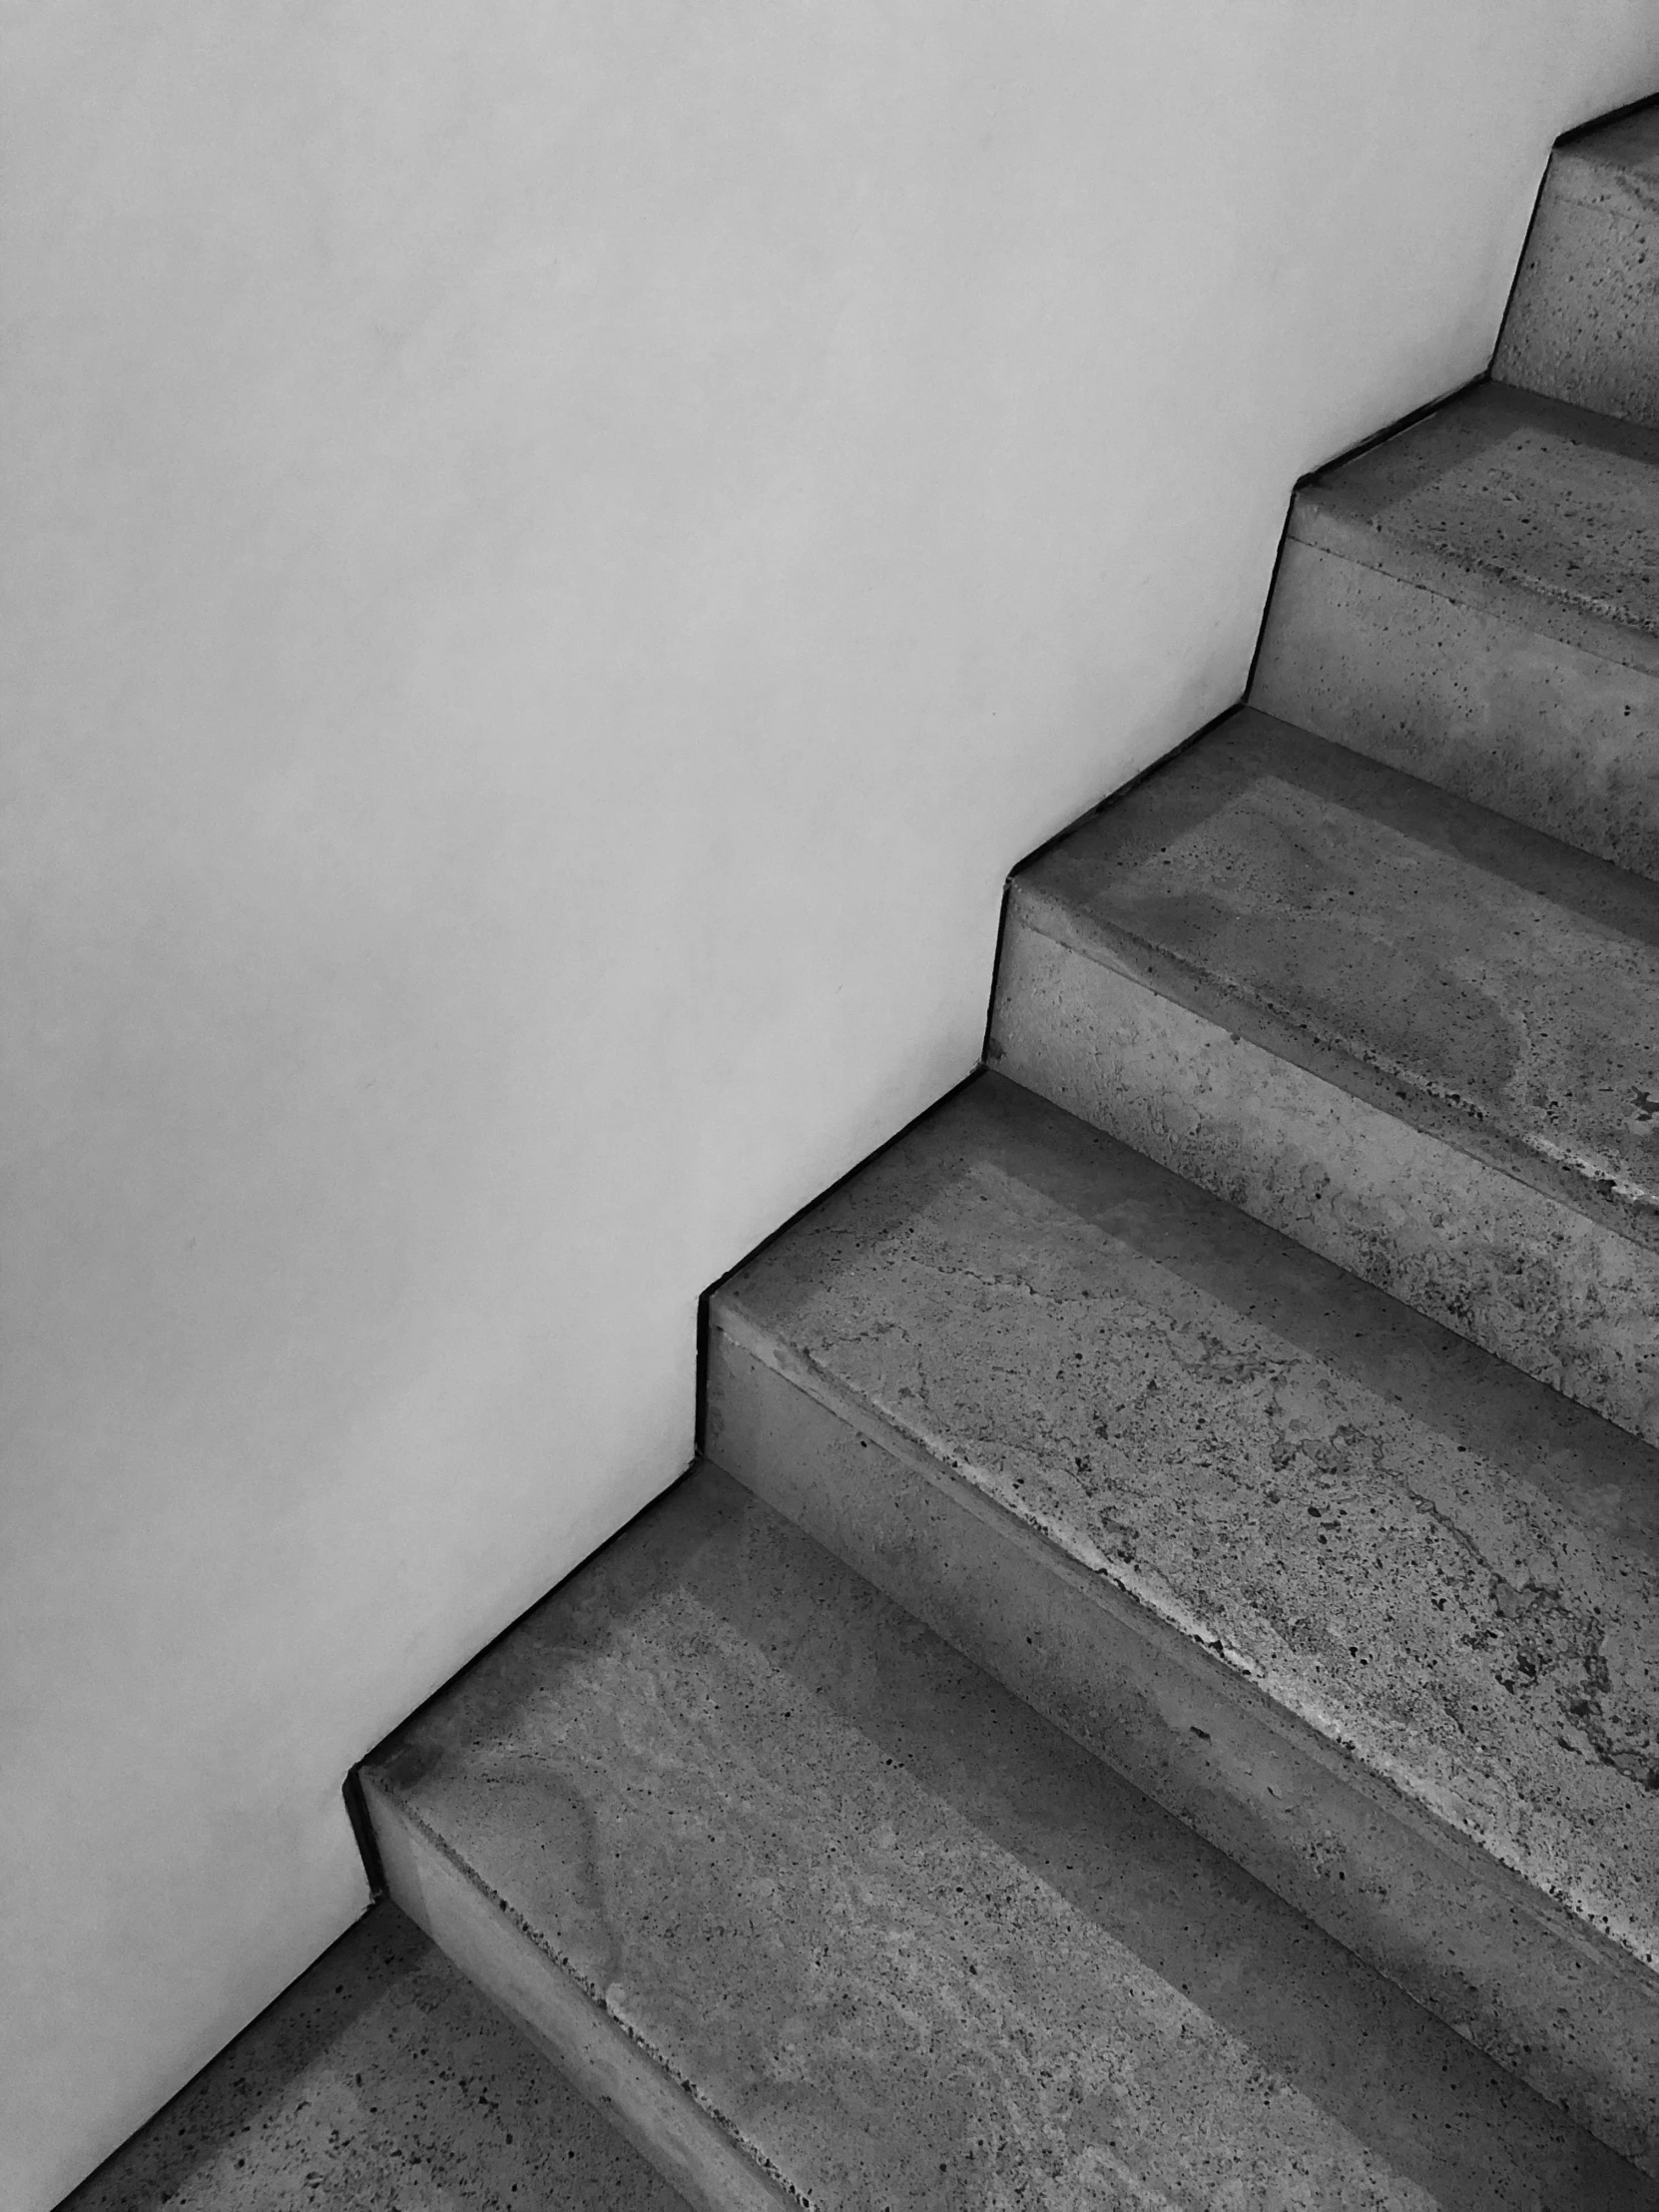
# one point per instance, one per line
(1476, 600)
(1418, 1552)
(1460, 989)
(1536, 508)
(1489, 982)
(912, 1946)
(380, 2082)
(1584, 320)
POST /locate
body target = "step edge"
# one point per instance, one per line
(1324, 520)
(1579, 162)
(1326, 667)
(1579, 1344)
(1491, 1143)
(1231, 1677)
(693, 2147)
(1596, 2095)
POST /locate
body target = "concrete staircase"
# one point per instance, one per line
(1152, 1698)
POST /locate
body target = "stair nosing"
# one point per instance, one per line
(789, 1350)
(1245, 1722)
(1324, 527)
(501, 1737)
(1231, 1673)
(1477, 1135)
(759, 2189)
(1335, 513)
(1580, 157)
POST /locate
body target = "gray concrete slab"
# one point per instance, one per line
(382, 2081)
(1476, 601)
(902, 1941)
(1417, 1036)
(1529, 507)
(1297, 1561)
(1583, 322)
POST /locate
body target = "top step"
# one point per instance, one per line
(1583, 324)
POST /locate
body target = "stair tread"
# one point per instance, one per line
(909, 1944)
(1521, 503)
(1168, 1391)
(379, 2081)
(1448, 965)
(1614, 163)
(1583, 319)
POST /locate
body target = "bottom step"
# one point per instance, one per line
(380, 2081)
(821, 1915)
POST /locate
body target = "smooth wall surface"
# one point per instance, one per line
(553, 560)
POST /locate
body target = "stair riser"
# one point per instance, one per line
(1520, 1273)
(597, 2055)
(1543, 730)
(1463, 1935)
(1584, 322)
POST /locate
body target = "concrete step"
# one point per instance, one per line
(1417, 1036)
(380, 2081)
(835, 1919)
(1476, 601)
(1371, 1612)
(1583, 322)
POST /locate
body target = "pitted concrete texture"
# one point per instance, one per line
(1529, 507)
(1516, 1270)
(1266, 1452)
(912, 1946)
(1414, 1552)
(1512, 1975)
(1561, 739)
(1418, 1037)
(382, 2081)
(1583, 322)
(1476, 601)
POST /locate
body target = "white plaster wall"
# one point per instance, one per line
(553, 559)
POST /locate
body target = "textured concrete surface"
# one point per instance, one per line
(593, 2048)
(382, 2081)
(913, 1946)
(1545, 731)
(1421, 1039)
(1424, 1558)
(1476, 600)
(1519, 1272)
(1531, 509)
(1583, 322)
(1442, 1921)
